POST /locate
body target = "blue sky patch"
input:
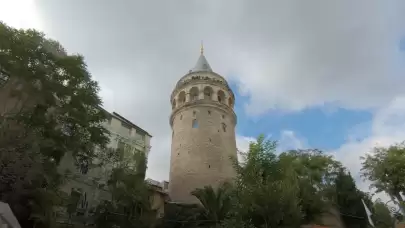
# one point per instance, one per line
(321, 129)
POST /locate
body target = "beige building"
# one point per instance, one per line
(90, 182)
(159, 197)
(203, 138)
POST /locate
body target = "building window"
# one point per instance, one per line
(221, 96)
(209, 166)
(3, 77)
(223, 116)
(224, 127)
(195, 123)
(182, 97)
(126, 126)
(194, 93)
(174, 104)
(124, 149)
(208, 93)
(84, 167)
(121, 145)
(194, 113)
(140, 136)
(209, 112)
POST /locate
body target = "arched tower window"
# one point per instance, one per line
(223, 127)
(182, 97)
(174, 104)
(221, 96)
(208, 93)
(230, 102)
(194, 94)
(195, 123)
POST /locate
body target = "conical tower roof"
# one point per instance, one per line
(202, 63)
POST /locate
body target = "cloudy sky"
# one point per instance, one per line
(311, 74)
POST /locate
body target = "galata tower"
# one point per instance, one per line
(203, 132)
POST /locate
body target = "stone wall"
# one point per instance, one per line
(203, 139)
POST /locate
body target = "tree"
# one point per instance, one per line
(216, 204)
(29, 181)
(385, 168)
(50, 107)
(180, 216)
(382, 216)
(348, 200)
(53, 94)
(316, 173)
(130, 204)
(266, 194)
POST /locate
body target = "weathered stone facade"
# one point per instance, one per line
(203, 138)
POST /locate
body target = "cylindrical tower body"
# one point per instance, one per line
(203, 138)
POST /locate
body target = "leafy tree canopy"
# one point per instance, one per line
(382, 216)
(49, 107)
(385, 168)
(348, 201)
(267, 192)
(53, 94)
(130, 204)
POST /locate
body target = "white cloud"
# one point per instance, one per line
(290, 141)
(20, 14)
(286, 55)
(242, 142)
(387, 128)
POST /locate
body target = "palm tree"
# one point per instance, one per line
(216, 203)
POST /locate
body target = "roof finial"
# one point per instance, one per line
(202, 48)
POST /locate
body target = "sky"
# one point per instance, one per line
(310, 74)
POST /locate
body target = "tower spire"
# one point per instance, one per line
(202, 48)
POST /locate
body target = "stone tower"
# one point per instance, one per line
(203, 132)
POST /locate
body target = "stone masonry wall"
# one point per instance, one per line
(201, 154)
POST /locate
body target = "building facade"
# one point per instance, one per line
(91, 182)
(203, 124)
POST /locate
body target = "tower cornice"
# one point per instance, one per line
(204, 103)
(198, 73)
(201, 81)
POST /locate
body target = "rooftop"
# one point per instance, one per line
(138, 129)
(202, 63)
(118, 116)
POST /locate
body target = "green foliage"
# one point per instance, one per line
(348, 200)
(382, 216)
(316, 173)
(181, 216)
(54, 94)
(266, 193)
(130, 205)
(44, 200)
(29, 180)
(73, 201)
(235, 223)
(270, 190)
(216, 204)
(55, 110)
(385, 168)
